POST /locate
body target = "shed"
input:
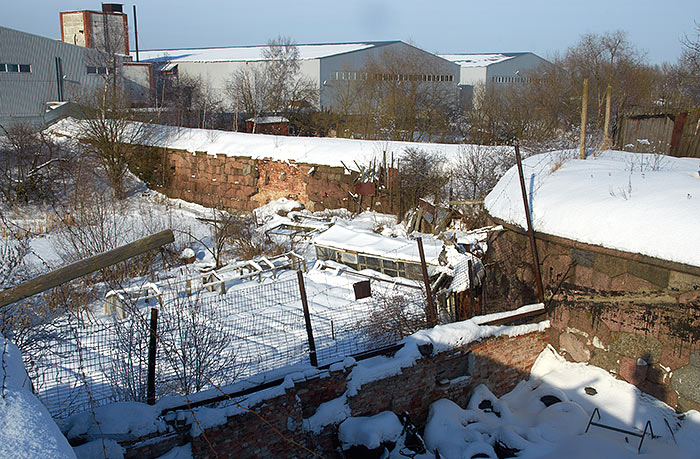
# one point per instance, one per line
(396, 257)
(276, 125)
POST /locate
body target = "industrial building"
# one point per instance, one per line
(492, 68)
(327, 65)
(39, 75)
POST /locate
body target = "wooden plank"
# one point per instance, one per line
(83, 267)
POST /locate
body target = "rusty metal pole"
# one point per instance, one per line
(136, 36)
(307, 319)
(530, 231)
(431, 312)
(151, 376)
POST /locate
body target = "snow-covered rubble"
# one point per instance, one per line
(638, 203)
(544, 417)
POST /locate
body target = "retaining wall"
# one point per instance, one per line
(500, 363)
(243, 183)
(635, 316)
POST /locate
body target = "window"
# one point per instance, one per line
(3, 68)
(97, 70)
(12, 68)
(25, 68)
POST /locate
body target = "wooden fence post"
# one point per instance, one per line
(530, 230)
(584, 116)
(307, 319)
(607, 141)
(151, 376)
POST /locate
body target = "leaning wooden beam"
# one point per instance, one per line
(83, 267)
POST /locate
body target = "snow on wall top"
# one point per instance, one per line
(311, 150)
(247, 53)
(638, 203)
(348, 238)
(475, 60)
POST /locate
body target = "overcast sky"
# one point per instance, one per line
(449, 26)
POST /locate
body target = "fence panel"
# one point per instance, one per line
(210, 339)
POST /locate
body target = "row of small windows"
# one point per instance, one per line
(509, 79)
(97, 70)
(16, 68)
(388, 77)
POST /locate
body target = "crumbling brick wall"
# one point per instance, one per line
(243, 183)
(500, 363)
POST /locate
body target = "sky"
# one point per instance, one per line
(544, 27)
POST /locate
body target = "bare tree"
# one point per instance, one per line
(274, 85)
(30, 163)
(198, 349)
(421, 174)
(399, 95)
(111, 135)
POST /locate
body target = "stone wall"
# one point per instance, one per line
(500, 363)
(649, 340)
(243, 183)
(635, 316)
(571, 264)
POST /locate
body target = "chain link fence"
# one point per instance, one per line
(208, 339)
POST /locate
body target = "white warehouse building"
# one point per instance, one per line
(322, 63)
(492, 68)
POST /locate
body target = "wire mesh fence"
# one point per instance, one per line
(216, 339)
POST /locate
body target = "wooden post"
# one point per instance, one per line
(530, 230)
(472, 301)
(83, 267)
(307, 319)
(431, 313)
(607, 142)
(584, 116)
(151, 376)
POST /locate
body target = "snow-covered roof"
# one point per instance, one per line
(251, 53)
(311, 150)
(633, 202)
(340, 237)
(478, 60)
(269, 119)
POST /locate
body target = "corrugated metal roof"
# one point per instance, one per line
(479, 60)
(252, 53)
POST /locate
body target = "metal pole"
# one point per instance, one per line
(307, 319)
(151, 377)
(530, 231)
(136, 35)
(431, 312)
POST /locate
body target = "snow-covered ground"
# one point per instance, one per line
(27, 428)
(634, 202)
(544, 417)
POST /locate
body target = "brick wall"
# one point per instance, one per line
(243, 183)
(500, 363)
